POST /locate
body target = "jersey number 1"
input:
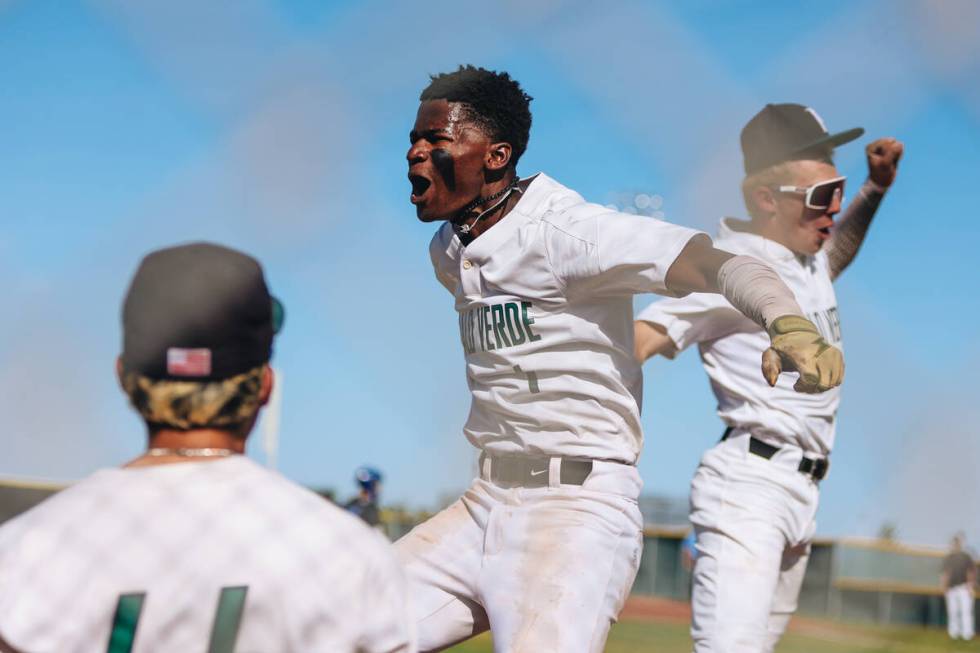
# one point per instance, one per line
(532, 379)
(227, 620)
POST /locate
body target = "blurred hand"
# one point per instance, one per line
(883, 156)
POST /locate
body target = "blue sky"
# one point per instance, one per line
(281, 127)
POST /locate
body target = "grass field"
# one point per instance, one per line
(650, 633)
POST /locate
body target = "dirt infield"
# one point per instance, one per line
(661, 625)
(659, 610)
(805, 633)
(651, 608)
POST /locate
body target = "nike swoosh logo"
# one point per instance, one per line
(539, 472)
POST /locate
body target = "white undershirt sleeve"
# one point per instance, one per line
(698, 317)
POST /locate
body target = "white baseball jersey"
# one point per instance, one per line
(731, 346)
(184, 554)
(545, 318)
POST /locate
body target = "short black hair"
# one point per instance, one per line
(493, 100)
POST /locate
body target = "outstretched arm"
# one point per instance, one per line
(650, 339)
(883, 156)
(755, 290)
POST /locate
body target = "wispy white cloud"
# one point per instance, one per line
(216, 54)
(946, 36)
(933, 489)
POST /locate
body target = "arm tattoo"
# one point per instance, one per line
(852, 228)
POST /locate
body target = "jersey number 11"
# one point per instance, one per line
(227, 620)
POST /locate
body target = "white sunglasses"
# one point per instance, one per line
(818, 196)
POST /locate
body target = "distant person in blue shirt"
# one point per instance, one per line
(365, 504)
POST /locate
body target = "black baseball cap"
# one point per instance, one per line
(198, 312)
(787, 132)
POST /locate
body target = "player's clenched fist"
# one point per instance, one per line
(798, 346)
(883, 156)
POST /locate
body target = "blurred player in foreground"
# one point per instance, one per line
(365, 504)
(958, 580)
(544, 546)
(192, 546)
(754, 496)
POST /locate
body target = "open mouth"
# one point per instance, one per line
(826, 229)
(420, 185)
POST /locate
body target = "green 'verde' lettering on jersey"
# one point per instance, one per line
(528, 321)
(497, 310)
(497, 326)
(479, 328)
(466, 325)
(517, 336)
(485, 317)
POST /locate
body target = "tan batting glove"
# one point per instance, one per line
(797, 346)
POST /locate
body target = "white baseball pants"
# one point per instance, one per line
(959, 611)
(754, 519)
(545, 569)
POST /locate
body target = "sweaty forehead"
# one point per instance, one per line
(441, 114)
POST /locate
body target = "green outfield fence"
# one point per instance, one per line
(848, 579)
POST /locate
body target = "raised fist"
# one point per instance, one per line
(883, 155)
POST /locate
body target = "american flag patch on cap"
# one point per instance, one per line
(188, 362)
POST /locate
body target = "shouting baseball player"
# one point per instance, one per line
(192, 546)
(754, 496)
(544, 545)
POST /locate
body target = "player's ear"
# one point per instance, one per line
(119, 371)
(764, 199)
(498, 156)
(265, 389)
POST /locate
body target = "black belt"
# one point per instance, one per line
(816, 468)
(534, 471)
